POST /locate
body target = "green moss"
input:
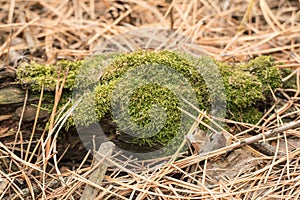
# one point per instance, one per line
(163, 119)
(250, 115)
(242, 88)
(113, 79)
(264, 69)
(140, 108)
(91, 70)
(103, 95)
(35, 75)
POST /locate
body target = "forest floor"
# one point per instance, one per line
(34, 165)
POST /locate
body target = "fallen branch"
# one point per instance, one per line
(269, 133)
(253, 139)
(97, 175)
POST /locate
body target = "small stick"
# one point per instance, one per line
(271, 132)
(256, 138)
(97, 175)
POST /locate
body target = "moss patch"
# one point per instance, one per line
(35, 75)
(245, 84)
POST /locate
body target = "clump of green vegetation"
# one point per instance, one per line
(263, 68)
(35, 75)
(155, 104)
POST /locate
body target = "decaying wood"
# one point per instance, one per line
(266, 148)
(11, 95)
(97, 176)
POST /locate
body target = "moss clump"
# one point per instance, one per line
(160, 89)
(119, 82)
(35, 75)
(264, 69)
(249, 115)
(242, 88)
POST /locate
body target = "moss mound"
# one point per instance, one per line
(35, 75)
(143, 90)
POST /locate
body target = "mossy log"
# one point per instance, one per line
(245, 85)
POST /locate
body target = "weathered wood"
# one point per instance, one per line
(29, 113)
(11, 95)
(97, 176)
(7, 75)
